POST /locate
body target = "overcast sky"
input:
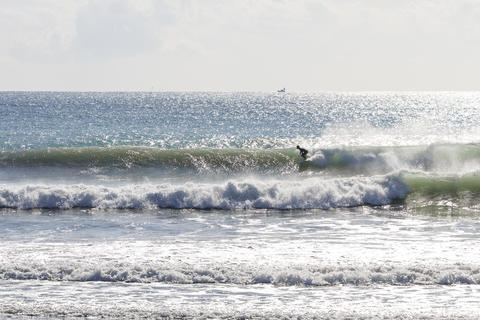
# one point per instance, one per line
(239, 45)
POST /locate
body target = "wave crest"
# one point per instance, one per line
(300, 275)
(309, 193)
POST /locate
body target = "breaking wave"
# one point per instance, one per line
(253, 193)
(301, 275)
(331, 178)
(242, 194)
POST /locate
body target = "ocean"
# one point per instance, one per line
(191, 205)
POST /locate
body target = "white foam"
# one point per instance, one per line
(234, 194)
(300, 275)
(374, 162)
(444, 159)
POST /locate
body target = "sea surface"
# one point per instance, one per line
(197, 205)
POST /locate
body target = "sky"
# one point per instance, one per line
(239, 45)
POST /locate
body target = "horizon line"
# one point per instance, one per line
(243, 91)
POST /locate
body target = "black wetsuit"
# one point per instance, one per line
(303, 153)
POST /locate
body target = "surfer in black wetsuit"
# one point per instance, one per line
(303, 152)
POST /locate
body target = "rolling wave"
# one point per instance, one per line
(300, 275)
(455, 158)
(234, 194)
(253, 193)
(140, 157)
(344, 177)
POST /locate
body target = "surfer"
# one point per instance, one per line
(303, 152)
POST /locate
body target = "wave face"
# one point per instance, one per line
(226, 160)
(432, 158)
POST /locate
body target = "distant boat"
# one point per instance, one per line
(281, 90)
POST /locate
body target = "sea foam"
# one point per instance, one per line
(299, 275)
(314, 192)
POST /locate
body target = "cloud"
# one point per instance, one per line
(249, 44)
(90, 29)
(109, 29)
(33, 30)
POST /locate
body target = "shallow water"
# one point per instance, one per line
(366, 262)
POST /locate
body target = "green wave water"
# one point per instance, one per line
(430, 158)
(418, 176)
(140, 157)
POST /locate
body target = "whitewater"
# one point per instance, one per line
(197, 205)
